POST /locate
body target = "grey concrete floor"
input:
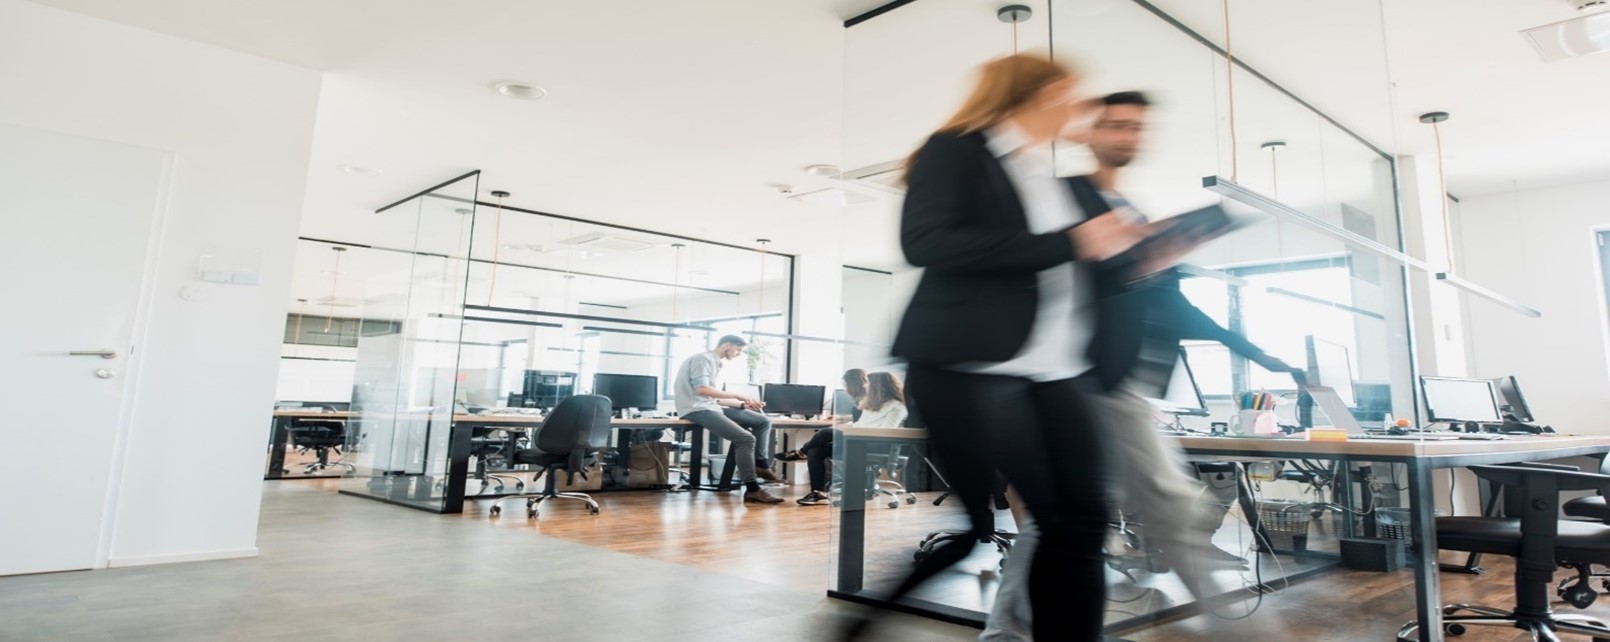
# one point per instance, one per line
(343, 568)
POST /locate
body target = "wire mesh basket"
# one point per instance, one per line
(1392, 523)
(1286, 521)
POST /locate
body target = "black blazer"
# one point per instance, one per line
(978, 296)
(962, 221)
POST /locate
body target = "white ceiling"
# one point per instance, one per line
(679, 116)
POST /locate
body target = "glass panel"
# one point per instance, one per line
(406, 381)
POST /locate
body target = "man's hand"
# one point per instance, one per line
(752, 404)
(1275, 365)
(1104, 237)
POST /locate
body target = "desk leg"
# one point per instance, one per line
(696, 459)
(276, 448)
(1423, 522)
(458, 466)
(852, 516)
(1342, 493)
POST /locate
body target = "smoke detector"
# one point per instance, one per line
(1589, 6)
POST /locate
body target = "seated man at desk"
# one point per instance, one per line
(728, 415)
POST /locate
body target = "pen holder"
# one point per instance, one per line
(1255, 422)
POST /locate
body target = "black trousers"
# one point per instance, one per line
(1039, 435)
(817, 451)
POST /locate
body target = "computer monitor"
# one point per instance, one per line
(843, 403)
(1510, 400)
(794, 399)
(1183, 396)
(1330, 366)
(546, 388)
(1453, 400)
(628, 391)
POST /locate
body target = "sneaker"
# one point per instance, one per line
(813, 498)
(762, 497)
(765, 474)
(792, 455)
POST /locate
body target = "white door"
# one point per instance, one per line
(75, 228)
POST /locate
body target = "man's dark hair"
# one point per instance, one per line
(1126, 98)
(734, 340)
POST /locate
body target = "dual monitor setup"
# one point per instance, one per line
(628, 392)
(1476, 405)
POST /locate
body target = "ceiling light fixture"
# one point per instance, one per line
(520, 91)
(335, 283)
(497, 243)
(1582, 36)
(358, 170)
(827, 171)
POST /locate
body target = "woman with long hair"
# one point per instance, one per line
(997, 334)
(880, 403)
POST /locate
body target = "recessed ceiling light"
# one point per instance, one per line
(357, 170)
(520, 91)
(830, 171)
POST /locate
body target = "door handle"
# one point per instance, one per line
(104, 354)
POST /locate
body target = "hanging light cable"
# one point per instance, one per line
(497, 244)
(1229, 87)
(764, 243)
(1435, 119)
(676, 280)
(335, 283)
(1014, 14)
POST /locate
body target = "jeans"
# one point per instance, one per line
(1040, 435)
(749, 432)
(817, 451)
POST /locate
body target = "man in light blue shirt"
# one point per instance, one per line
(728, 415)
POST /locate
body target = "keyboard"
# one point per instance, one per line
(1415, 437)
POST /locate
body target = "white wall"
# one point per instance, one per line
(240, 128)
(1537, 246)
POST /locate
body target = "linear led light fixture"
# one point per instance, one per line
(1210, 273)
(1489, 295)
(1234, 191)
(1325, 302)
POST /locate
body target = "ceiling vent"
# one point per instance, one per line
(1572, 38)
(605, 242)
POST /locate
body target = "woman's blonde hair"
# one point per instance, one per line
(1004, 85)
(882, 388)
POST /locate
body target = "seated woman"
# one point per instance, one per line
(884, 406)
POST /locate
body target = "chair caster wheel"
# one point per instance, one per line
(894, 504)
(919, 556)
(519, 487)
(1454, 629)
(531, 514)
(1449, 610)
(592, 509)
(911, 500)
(496, 511)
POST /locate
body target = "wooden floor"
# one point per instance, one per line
(788, 545)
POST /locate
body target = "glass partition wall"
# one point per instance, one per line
(474, 309)
(1301, 124)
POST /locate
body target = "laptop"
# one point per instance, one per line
(1334, 408)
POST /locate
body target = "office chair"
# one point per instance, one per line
(1001, 539)
(892, 464)
(569, 439)
(1578, 590)
(1532, 533)
(320, 437)
(488, 450)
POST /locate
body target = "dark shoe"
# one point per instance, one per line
(765, 474)
(814, 498)
(792, 455)
(762, 497)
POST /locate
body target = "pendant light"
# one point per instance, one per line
(1449, 275)
(760, 307)
(676, 279)
(335, 283)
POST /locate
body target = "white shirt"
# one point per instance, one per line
(1065, 320)
(891, 415)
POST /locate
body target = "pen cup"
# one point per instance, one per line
(1255, 422)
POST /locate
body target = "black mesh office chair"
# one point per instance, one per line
(1532, 533)
(1578, 590)
(569, 440)
(321, 438)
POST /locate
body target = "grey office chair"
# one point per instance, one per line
(321, 438)
(569, 440)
